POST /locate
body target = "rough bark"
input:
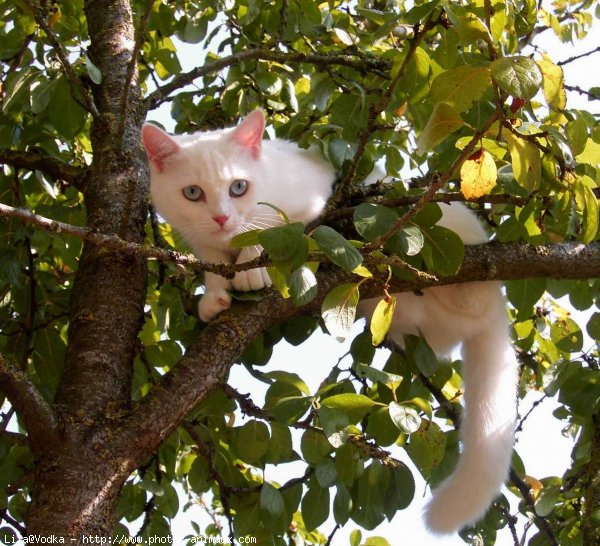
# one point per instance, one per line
(77, 482)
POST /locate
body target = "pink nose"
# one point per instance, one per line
(221, 220)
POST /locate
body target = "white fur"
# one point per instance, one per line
(299, 182)
(277, 172)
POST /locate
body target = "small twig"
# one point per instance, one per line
(332, 534)
(526, 416)
(13, 522)
(577, 57)
(576, 89)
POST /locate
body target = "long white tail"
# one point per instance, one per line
(487, 429)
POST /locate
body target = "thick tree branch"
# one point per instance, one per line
(361, 63)
(492, 261)
(206, 363)
(38, 416)
(33, 160)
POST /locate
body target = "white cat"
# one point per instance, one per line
(208, 186)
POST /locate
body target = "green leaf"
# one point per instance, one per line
(589, 227)
(131, 502)
(315, 506)
(302, 285)
(461, 86)
(64, 112)
(314, 446)
(339, 151)
(368, 509)
(326, 473)
(287, 245)
(271, 501)
(93, 71)
(168, 503)
(16, 88)
(577, 134)
(376, 541)
(401, 490)
(334, 422)
(40, 96)
(446, 250)
(518, 76)
(342, 505)
(419, 352)
(372, 220)
(355, 405)
(199, 476)
(390, 380)
(280, 447)
(426, 447)
(566, 335)
(443, 121)
(407, 419)
(337, 248)
(470, 27)
(251, 440)
(339, 309)
(355, 537)
(248, 238)
(408, 240)
(593, 326)
(381, 321)
(381, 427)
(523, 294)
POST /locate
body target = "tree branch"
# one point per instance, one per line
(207, 361)
(38, 416)
(33, 160)
(357, 62)
(577, 57)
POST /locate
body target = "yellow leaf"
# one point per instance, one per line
(382, 319)
(554, 91)
(443, 121)
(478, 175)
(535, 484)
(526, 162)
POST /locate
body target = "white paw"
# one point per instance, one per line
(253, 279)
(212, 303)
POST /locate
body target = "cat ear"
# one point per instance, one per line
(249, 133)
(159, 145)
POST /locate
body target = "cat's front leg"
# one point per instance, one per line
(252, 279)
(216, 297)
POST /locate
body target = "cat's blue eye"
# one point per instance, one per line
(238, 188)
(193, 193)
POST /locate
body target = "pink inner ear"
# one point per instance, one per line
(159, 145)
(249, 133)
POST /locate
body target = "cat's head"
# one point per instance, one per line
(207, 185)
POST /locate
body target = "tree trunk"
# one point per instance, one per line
(78, 480)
